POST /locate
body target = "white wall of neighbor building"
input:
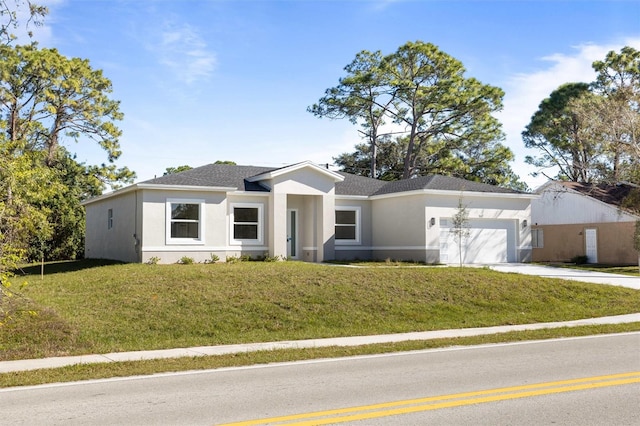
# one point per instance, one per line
(558, 205)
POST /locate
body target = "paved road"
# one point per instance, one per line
(594, 380)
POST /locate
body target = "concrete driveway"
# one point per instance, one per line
(568, 274)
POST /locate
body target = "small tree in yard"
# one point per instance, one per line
(636, 241)
(460, 227)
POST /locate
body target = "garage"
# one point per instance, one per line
(489, 241)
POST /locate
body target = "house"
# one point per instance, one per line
(575, 219)
(305, 211)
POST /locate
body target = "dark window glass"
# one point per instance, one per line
(345, 232)
(185, 211)
(245, 232)
(245, 214)
(346, 217)
(184, 230)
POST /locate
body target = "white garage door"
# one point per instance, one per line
(489, 241)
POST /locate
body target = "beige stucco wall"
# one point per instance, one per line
(121, 242)
(216, 221)
(312, 192)
(563, 242)
(361, 249)
(401, 225)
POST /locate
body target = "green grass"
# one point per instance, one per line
(133, 368)
(98, 308)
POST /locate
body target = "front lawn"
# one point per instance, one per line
(99, 309)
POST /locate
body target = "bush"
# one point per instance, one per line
(580, 259)
(268, 258)
(186, 260)
(214, 258)
(153, 260)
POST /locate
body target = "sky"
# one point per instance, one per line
(201, 81)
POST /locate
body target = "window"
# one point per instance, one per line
(537, 238)
(109, 218)
(185, 223)
(347, 225)
(246, 223)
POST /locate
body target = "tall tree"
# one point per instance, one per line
(363, 97)
(172, 170)
(436, 103)
(422, 93)
(480, 162)
(46, 98)
(618, 115)
(591, 133)
(10, 20)
(562, 136)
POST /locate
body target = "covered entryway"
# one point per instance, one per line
(488, 241)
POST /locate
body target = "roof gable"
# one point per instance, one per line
(274, 173)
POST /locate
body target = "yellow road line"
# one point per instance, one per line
(432, 403)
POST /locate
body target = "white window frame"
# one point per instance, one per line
(109, 218)
(537, 241)
(358, 227)
(260, 224)
(201, 221)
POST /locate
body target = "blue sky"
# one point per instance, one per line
(201, 81)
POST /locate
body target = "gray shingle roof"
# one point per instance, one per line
(442, 183)
(225, 175)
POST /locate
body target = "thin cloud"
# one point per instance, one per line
(185, 53)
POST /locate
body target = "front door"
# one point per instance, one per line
(591, 243)
(292, 234)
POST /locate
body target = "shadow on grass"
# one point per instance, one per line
(64, 266)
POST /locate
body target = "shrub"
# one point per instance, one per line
(186, 260)
(580, 259)
(153, 260)
(268, 258)
(233, 259)
(214, 258)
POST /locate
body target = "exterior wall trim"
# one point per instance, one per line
(185, 247)
(455, 193)
(356, 248)
(138, 186)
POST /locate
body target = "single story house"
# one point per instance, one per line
(305, 211)
(576, 219)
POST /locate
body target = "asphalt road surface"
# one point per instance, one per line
(577, 381)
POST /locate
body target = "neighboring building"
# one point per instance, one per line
(574, 219)
(306, 212)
